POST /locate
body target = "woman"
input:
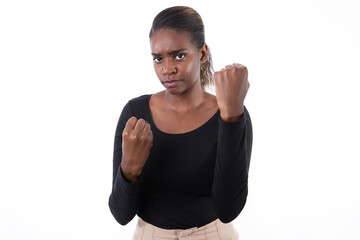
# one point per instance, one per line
(181, 156)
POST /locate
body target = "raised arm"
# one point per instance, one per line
(133, 140)
(230, 185)
(229, 190)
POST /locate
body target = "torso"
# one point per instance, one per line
(175, 122)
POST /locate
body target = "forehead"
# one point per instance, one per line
(167, 40)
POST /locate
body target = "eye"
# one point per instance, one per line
(157, 59)
(180, 56)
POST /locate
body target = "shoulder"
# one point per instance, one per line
(157, 99)
(135, 103)
(136, 107)
(211, 101)
(210, 97)
(139, 106)
(139, 100)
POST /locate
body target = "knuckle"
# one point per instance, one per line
(244, 69)
(218, 75)
(133, 137)
(143, 137)
(140, 120)
(125, 134)
(132, 119)
(130, 122)
(147, 128)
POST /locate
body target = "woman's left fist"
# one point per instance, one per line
(231, 85)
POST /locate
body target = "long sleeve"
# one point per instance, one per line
(124, 198)
(189, 179)
(230, 184)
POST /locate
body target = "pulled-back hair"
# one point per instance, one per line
(186, 19)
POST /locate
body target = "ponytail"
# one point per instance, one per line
(206, 72)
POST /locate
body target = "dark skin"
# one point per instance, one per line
(183, 106)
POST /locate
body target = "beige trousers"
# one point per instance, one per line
(216, 230)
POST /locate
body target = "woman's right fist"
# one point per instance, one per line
(137, 141)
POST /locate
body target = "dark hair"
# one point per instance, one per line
(181, 18)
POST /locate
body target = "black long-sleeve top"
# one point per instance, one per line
(189, 179)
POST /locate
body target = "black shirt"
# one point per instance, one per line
(189, 179)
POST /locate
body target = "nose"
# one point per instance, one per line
(169, 67)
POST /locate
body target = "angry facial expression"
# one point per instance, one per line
(176, 60)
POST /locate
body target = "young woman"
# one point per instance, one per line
(181, 156)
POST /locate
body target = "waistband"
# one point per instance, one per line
(210, 228)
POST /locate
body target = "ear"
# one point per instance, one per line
(204, 53)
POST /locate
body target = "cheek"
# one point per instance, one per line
(157, 70)
(193, 69)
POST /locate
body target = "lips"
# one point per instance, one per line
(171, 83)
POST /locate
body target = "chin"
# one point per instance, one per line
(175, 91)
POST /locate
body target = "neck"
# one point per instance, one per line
(185, 101)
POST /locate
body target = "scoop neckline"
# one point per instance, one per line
(155, 128)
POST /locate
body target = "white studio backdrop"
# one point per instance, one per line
(68, 67)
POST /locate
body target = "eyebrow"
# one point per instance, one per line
(170, 53)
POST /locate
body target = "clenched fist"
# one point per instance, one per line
(137, 142)
(231, 85)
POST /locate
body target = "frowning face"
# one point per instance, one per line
(176, 60)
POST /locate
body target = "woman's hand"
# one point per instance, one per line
(231, 85)
(136, 145)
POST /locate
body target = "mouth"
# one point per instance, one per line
(171, 83)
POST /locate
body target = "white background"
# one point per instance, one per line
(68, 67)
